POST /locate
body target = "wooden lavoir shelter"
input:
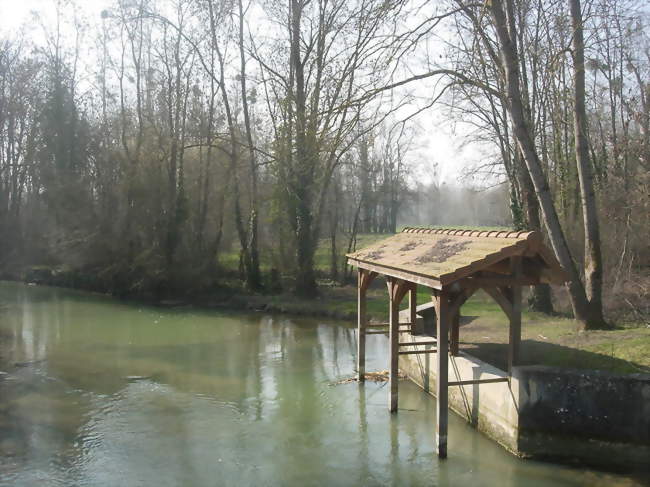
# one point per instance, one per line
(454, 264)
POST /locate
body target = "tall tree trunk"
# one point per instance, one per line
(253, 277)
(540, 298)
(580, 304)
(593, 259)
(303, 166)
(249, 264)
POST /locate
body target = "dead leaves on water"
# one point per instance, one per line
(379, 376)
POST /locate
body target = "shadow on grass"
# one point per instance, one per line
(534, 352)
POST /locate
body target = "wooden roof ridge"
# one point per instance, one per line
(530, 235)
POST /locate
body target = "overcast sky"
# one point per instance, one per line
(438, 140)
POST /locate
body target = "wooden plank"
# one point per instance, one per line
(385, 325)
(396, 273)
(384, 332)
(477, 381)
(414, 352)
(412, 344)
(362, 321)
(442, 404)
(514, 342)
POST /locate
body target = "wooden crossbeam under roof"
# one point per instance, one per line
(438, 257)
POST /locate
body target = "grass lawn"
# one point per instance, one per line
(553, 340)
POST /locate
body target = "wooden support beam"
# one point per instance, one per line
(514, 342)
(384, 331)
(441, 299)
(501, 298)
(414, 352)
(361, 326)
(365, 277)
(396, 291)
(466, 292)
(477, 381)
(413, 344)
(457, 300)
(413, 304)
(454, 336)
(397, 274)
(387, 324)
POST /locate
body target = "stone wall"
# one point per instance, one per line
(584, 415)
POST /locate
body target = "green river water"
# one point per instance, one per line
(96, 392)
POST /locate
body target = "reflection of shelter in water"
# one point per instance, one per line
(454, 264)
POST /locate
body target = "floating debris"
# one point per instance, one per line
(138, 378)
(380, 376)
(29, 363)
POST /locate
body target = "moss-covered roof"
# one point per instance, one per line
(446, 255)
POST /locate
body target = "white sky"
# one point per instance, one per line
(439, 141)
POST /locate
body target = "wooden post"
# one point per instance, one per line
(515, 316)
(442, 327)
(396, 291)
(364, 278)
(455, 333)
(454, 316)
(393, 324)
(361, 326)
(413, 305)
